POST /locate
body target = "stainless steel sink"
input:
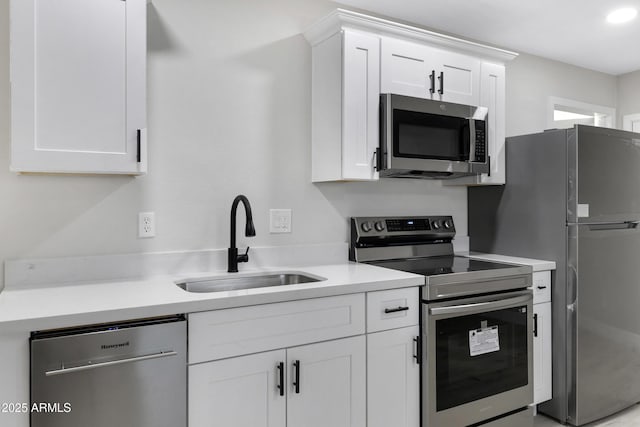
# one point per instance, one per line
(247, 281)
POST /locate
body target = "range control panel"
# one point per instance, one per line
(428, 226)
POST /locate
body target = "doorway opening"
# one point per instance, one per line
(565, 113)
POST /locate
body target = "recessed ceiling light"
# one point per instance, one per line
(622, 15)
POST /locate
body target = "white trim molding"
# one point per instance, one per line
(631, 122)
(341, 19)
(553, 101)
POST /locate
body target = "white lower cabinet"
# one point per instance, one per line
(393, 374)
(307, 363)
(331, 381)
(241, 391)
(324, 384)
(542, 346)
(542, 353)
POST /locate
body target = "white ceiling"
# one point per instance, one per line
(571, 31)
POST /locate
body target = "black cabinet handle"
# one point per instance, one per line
(418, 353)
(395, 310)
(432, 77)
(535, 324)
(296, 376)
(441, 78)
(542, 287)
(139, 145)
(281, 378)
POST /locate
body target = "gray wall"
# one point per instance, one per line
(531, 80)
(229, 97)
(628, 94)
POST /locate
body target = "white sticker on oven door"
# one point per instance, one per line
(483, 341)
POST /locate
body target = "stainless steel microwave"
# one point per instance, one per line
(423, 138)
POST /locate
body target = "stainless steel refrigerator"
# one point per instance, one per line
(573, 196)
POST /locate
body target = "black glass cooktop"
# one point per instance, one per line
(433, 266)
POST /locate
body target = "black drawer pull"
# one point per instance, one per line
(296, 381)
(281, 378)
(542, 287)
(395, 310)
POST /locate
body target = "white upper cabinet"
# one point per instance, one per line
(346, 90)
(406, 68)
(492, 96)
(421, 71)
(357, 57)
(78, 73)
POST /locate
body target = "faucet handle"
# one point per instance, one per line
(244, 257)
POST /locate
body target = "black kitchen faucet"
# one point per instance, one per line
(250, 231)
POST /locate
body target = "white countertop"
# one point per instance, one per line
(77, 304)
(536, 264)
(80, 301)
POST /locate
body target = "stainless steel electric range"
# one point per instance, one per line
(476, 322)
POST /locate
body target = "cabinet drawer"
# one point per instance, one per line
(236, 331)
(396, 308)
(541, 286)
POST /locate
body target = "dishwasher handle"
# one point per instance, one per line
(90, 365)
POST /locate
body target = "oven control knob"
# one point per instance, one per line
(366, 226)
(448, 224)
(436, 224)
(379, 226)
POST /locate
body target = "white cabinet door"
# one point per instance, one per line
(239, 392)
(422, 71)
(345, 86)
(407, 68)
(331, 384)
(459, 78)
(78, 86)
(361, 97)
(542, 353)
(393, 378)
(492, 96)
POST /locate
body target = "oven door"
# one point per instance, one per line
(478, 359)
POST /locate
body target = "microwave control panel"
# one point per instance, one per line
(481, 142)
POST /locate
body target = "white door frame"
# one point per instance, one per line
(593, 108)
(629, 120)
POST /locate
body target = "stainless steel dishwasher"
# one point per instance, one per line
(126, 374)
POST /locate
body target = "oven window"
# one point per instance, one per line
(430, 136)
(496, 368)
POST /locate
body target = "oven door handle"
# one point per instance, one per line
(480, 306)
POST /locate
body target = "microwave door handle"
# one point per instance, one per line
(472, 140)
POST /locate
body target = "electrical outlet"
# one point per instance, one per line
(146, 224)
(280, 221)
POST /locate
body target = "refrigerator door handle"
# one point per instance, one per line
(620, 225)
(614, 226)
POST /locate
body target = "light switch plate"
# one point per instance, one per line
(280, 221)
